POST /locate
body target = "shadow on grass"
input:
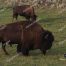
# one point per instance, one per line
(35, 52)
(57, 51)
(52, 52)
(52, 19)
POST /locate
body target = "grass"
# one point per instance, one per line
(50, 20)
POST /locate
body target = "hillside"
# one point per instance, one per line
(38, 2)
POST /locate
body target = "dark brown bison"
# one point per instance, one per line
(33, 37)
(25, 10)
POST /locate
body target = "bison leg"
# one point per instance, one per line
(34, 18)
(27, 18)
(25, 51)
(3, 47)
(44, 52)
(18, 48)
(15, 16)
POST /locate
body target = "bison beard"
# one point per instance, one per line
(47, 40)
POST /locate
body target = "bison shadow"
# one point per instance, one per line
(51, 19)
(56, 51)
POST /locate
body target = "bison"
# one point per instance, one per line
(36, 38)
(25, 10)
(33, 37)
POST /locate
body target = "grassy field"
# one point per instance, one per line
(51, 20)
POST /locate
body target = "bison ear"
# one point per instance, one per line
(46, 36)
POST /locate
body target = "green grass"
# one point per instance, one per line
(50, 20)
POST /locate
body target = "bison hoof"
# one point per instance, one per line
(7, 53)
(44, 52)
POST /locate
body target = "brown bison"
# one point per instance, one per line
(25, 10)
(34, 37)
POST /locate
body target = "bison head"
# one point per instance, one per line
(47, 40)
